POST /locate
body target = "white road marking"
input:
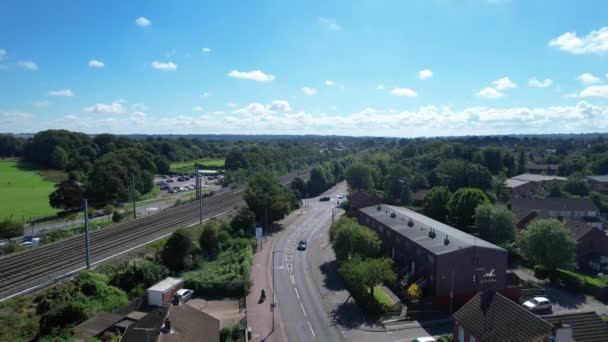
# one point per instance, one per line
(297, 293)
(312, 331)
(304, 311)
(290, 268)
(293, 279)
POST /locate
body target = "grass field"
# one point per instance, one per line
(213, 163)
(23, 192)
(382, 297)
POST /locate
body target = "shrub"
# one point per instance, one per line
(108, 209)
(117, 216)
(414, 292)
(540, 272)
(572, 283)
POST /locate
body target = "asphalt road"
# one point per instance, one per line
(304, 313)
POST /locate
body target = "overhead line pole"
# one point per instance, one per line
(86, 233)
(133, 196)
(200, 195)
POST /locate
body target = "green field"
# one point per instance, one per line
(23, 192)
(382, 297)
(213, 163)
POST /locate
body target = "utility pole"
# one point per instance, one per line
(200, 194)
(133, 196)
(273, 304)
(86, 233)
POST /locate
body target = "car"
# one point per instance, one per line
(324, 199)
(341, 196)
(183, 189)
(170, 180)
(176, 188)
(302, 245)
(164, 187)
(184, 294)
(191, 187)
(165, 177)
(538, 304)
(171, 191)
(99, 213)
(181, 179)
(424, 339)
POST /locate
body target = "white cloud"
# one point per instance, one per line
(115, 107)
(197, 109)
(2, 54)
(594, 42)
(231, 105)
(380, 87)
(404, 92)
(164, 66)
(425, 73)
(490, 93)
(504, 83)
(588, 78)
(571, 95)
(330, 24)
(41, 104)
(309, 91)
(279, 106)
(143, 22)
(61, 92)
(258, 109)
(533, 82)
(254, 75)
(329, 83)
(28, 65)
(595, 91)
(93, 63)
(206, 50)
(139, 107)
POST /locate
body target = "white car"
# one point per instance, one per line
(184, 294)
(538, 303)
(340, 196)
(424, 339)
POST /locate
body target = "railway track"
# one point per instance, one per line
(30, 270)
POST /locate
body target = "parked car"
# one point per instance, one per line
(176, 188)
(302, 245)
(324, 199)
(183, 189)
(165, 177)
(538, 304)
(164, 187)
(171, 191)
(424, 339)
(170, 180)
(181, 179)
(184, 294)
(341, 196)
(191, 187)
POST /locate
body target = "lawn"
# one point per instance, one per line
(23, 193)
(189, 166)
(381, 297)
(589, 278)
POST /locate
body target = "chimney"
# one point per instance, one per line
(488, 288)
(561, 332)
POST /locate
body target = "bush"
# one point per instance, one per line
(108, 209)
(414, 292)
(117, 216)
(233, 333)
(540, 272)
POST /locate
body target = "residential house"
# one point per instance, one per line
(490, 316)
(530, 177)
(546, 169)
(520, 188)
(438, 257)
(556, 207)
(361, 199)
(599, 183)
(591, 245)
(586, 326)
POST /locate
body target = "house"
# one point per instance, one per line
(547, 169)
(361, 199)
(599, 183)
(556, 207)
(418, 197)
(530, 177)
(591, 245)
(179, 322)
(490, 316)
(521, 188)
(586, 326)
(163, 291)
(438, 257)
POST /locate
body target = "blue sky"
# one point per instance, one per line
(387, 68)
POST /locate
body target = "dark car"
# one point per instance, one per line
(170, 180)
(164, 187)
(181, 179)
(324, 199)
(302, 245)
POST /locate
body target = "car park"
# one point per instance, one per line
(176, 189)
(302, 245)
(181, 179)
(191, 187)
(164, 187)
(538, 304)
(171, 191)
(183, 189)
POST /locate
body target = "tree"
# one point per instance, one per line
(600, 165)
(10, 146)
(68, 196)
(396, 185)
(10, 229)
(243, 223)
(577, 185)
(299, 185)
(492, 158)
(361, 276)
(548, 243)
(318, 181)
(436, 203)
(117, 216)
(509, 163)
(414, 292)
(572, 163)
(59, 158)
(177, 252)
(521, 160)
(461, 207)
(350, 239)
(267, 198)
(495, 224)
(359, 177)
(211, 239)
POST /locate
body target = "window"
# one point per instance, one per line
(460, 334)
(472, 339)
(474, 278)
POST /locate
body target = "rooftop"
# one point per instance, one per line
(578, 228)
(165, 284)
(600, 179)
(529, 177)
(553, 203)
(513, 183)
(586, 326)
(501, 319)
(96, 325)
(534, 166)
(190, 324)
(416, 227)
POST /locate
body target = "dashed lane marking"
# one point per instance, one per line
(297, 293)
(293, 279)
(311, 330)
(304, 311)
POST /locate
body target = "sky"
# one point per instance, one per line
(354, 67)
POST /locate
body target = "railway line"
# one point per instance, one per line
(40, 267)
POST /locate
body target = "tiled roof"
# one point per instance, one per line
(529, 177)
(578, 228)
(586, 326)
(147, 328)
(502, 321)
(553, 203)
(189, 324)
(418, 231)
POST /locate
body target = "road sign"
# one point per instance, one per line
(258, 233)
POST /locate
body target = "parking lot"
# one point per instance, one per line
(175, 184)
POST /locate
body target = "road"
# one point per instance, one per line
(304, 314)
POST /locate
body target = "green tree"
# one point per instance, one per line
(299, 185)
(521, 160)
(350, 239)
(265, 196)
(10, 229)
(177, 252)
(68, 195)
(396, 185)
(211, 239)
(495, 224)
(243, 223)
(359, 177)
(461, 207)
(572, 163)
(436, 203)
(361, 276)
(548, 243)
(600, 165)
(577, 185)
(59, 158)
(492, 158)
(509, 163)
(318, 181)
